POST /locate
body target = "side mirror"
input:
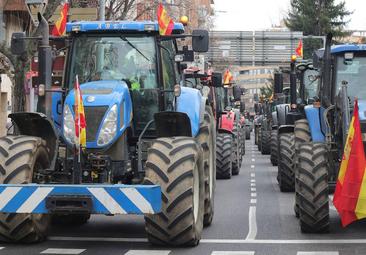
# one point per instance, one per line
(278, 83)
(200, 40)
(237, 93)
(216, 79)
(18, 43)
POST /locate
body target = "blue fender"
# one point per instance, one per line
(190, 102)
(313, 116)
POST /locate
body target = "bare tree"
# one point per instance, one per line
(128, 9)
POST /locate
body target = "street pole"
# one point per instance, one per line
(101, 10)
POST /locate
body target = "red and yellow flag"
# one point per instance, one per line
(80, 123)
(228, 77)
(166, 23)
(299, 49)
(60, 25)
(350, 194)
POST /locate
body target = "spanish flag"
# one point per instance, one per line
(166, 23)
(60, 25)
(80, 123)
(299, 50)
(228, 77)
(350, 194)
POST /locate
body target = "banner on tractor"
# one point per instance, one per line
(60, 25)
(166, 23)
(350, 194)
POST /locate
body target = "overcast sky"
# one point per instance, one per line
(248, 15)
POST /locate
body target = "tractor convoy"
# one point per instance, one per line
(158, 134)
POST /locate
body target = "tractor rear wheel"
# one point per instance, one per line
(302, 135)
(207, 140)
(259, 143)
(247, 133)
(176, 165)
(21, 157)
(274, 147)
(313, 188)
(286, 178)
(223, 156)
(236, 156)
(266, 142)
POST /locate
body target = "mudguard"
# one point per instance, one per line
(286, 129)
(282, 110)
(274, 120)
(313, 116)
(190, 102)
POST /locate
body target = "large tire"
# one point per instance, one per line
(247, 133)
(256, 135)
(274, 147)
(266, 142)
(286, 177)
(236, 157)
(259, 143)
(313, 188)
(176, 165)
(207, 140)
(302, 135)
(223, 156)
(20, 158)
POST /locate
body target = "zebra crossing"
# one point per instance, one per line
(64, 251)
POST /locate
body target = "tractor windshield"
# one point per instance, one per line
(128, 58)
(354, 72)
(311, 82)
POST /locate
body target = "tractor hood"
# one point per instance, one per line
(98, 98)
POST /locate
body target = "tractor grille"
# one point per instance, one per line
(94, 116)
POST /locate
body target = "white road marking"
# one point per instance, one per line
(33, 201)
(252, 224)
(317, 253)
(253, 159)
(214, 241)
(253, 189)
(252, 174)
(138, 200)
(252, 184)
(148, 252)
(252, 166)
(233, 253)
(63, 251)
(253, 201)
(252, 180)
(7, 195)
(2, 248)
(253, 194)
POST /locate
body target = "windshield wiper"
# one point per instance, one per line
(134, 47)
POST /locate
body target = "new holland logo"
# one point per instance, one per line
(90, 99)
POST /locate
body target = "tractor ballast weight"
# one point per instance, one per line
(140, 127)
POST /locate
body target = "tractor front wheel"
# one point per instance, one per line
(286, 177)
(21, 158)
(313, 188)
(274, 147)
(223, 156)
(176, 165)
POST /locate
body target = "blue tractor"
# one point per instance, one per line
(322, 133)
(150, 146)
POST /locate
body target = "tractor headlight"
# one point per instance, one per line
(109, 127)
(69, 125)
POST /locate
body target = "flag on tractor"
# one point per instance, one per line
(228, 77)
(166, 23)
(60, 25)
(299, 49)
(80, 123)
(350, 193)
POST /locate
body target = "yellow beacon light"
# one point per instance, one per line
(184, 20)
(293, 58)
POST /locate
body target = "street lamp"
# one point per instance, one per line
(34, 7)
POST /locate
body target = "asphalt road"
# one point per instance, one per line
(251, 217)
